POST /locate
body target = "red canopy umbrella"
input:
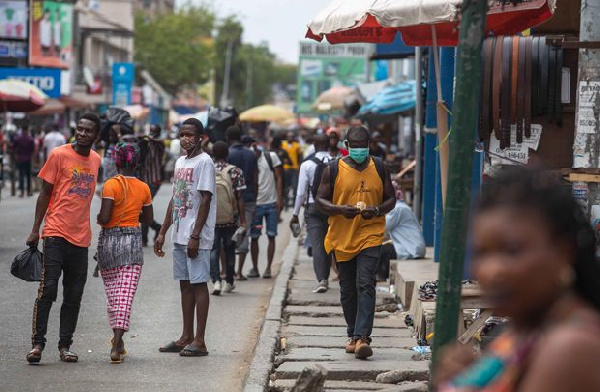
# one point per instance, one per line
(19, 96)
(346, 21)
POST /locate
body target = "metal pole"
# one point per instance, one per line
(465, 121)
(417, 125)
(586, 153)
(225, 93)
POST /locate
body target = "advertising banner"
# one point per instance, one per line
(46, 79)
(51, 37)
(13, 19)
(123, 75)
(323, 66)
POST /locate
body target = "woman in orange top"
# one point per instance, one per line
(120, 255)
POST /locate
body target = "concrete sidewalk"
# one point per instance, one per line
(313, 331)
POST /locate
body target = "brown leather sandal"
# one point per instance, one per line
(67, 356)
(35, 355)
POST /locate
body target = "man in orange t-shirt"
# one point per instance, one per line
(69, 180)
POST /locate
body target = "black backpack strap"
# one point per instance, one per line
(267, 155)
(315, 160)
(333, 172)
(380, 168)
(309, 157)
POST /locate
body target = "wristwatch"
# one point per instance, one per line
(376, 210)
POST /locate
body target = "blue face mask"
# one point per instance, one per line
(358, 155)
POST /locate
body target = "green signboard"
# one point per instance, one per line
(323, 66)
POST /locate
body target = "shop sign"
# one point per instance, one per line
(51, 37)
(123, 75)
(13, 19)
(46, 79)
(322, 66)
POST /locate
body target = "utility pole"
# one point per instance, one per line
(224, 101)
(249, 77)
(465, 122)
(586, 148)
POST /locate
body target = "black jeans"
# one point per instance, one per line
(60, 256)
(387, 253)
(357, 291)
(316, 230)
(223, 241)
(24, 175)
(155, 225)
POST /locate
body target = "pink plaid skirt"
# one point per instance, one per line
(120, 284)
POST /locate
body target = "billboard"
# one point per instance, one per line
(46, 79)
(123, 75)
(13, 19)
(322, 66)
(51, 34)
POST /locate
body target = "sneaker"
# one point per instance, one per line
(216, 287)
(253, 273)
(363, 349)
(351, 346)
(229, 287)
(322, 287)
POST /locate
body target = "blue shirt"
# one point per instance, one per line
(402, 226)
(245, 159)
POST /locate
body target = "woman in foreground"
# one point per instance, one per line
(120, 254)
(534, 257)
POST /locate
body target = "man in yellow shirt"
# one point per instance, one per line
(294, 151)
(356, 192)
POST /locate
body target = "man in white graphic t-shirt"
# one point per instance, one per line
(269, 203)
(192, 212)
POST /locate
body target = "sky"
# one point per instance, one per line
(280, 22)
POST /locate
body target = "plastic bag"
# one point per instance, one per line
(27, 265)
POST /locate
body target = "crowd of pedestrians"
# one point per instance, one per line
(224, 197)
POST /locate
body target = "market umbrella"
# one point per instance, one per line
(422, 23)
(333, 99)
(378, 21)
(19, 96)
(266, 113)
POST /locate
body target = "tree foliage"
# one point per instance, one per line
(180, 49)
(176, 48)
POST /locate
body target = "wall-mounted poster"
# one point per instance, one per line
(13, 19)
(51, 37)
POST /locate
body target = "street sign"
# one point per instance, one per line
(46, 79)
(123, 75)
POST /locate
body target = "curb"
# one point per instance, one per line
(261, 364)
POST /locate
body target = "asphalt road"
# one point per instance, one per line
(233, 325)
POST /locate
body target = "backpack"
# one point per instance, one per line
(333, 170)
(321, 165)
(226, 201)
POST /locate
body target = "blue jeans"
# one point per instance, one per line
(316, 230)
(269, 213)
(223, 241)
(357, 291)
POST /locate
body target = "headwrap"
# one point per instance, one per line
(127, 155)
(398, 191)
